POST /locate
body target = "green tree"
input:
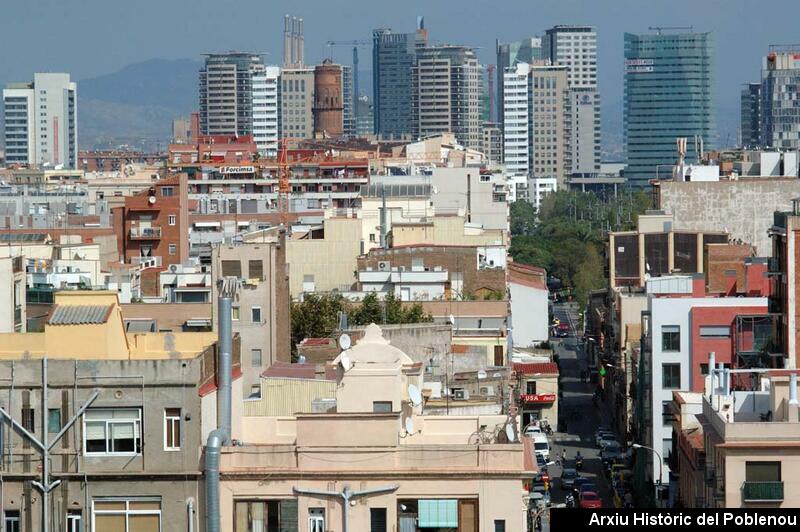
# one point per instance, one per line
(316, 316)
(523, 218)
(370, 311)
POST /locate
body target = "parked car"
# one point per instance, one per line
(541, 445)
(590, 499)
(576, 485)
(530, 430)
(611, 454)
(604, 439)
(568, 477)
(585, 487)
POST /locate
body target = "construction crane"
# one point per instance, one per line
(355, 44)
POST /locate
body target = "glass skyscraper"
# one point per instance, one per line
(393, 59)
(667, 95)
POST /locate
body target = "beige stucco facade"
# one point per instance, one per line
(446, 230)
(377, 438)
(329, 262)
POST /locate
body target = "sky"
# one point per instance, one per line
(93, 37)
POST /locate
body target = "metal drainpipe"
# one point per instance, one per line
(190, 514)
(222, 434)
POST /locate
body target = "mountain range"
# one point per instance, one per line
(135, 106)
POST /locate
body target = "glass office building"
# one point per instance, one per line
(667, 95)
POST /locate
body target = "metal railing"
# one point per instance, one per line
(753, 491)
(145, 232)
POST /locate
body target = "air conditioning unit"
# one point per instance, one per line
(460, 394)
(384, 266)
(173, 268)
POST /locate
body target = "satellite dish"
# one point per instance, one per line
(301, 359)
(415, 395)
(481, 374)
(452, 319)
(344, 342)
(151, 200)
(510, 432)
(409, 425)
(345, 362)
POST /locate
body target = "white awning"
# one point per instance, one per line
(206, 224)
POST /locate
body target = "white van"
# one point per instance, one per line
(541, 446)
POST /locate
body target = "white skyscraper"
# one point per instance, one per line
(534, 137)
(41, 121)
(576, 48)
(265, 110)
(515, 132)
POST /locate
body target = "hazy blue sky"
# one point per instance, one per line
(93, 37)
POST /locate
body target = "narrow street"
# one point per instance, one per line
(578, 416)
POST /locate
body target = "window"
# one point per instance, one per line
(235, 313)
(172, 429)
(250, 516)
(53, 420)
(255, 392)
(762, 471)
(666, 449)
(704, 368)
(172, 219)
(671, 376)
(530, 387)
(715, 331)
(126, 515)
(316, 520)
(255, 269)
(74, 521)
(173, 249)
(255, 314)
(381, 406)
(372, 237)
(11, 519)
(377, 520)
(499, 525)
(670, 338)
(112, 431)
(255, 358)
(28, 419)
(167, 191)
(666, 413)
(231, 268)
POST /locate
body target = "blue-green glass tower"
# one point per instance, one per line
(667, 95)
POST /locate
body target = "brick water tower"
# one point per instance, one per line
(328, 103)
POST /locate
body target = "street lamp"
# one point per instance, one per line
(660, 467)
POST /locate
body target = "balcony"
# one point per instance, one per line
(145, 233)
(762, 491)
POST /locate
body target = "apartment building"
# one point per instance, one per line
(239, 96)
(123, 413)
(780, 75)
(261, 312)
(576, 48)
(537, 394)
(535, 103)
(749, 440)
(12, 294)
(686, 331)
(425, 272)
(296, 96)
(393, 58)
(41, 121)
(446, 94)
(152, 226)
(381, 427)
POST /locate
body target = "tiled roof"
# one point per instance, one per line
(316, 341)
(296, 371)
(79, 314)
(545, 368)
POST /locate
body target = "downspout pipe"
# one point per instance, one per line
(213, 448)
(224, 367)
(222, 434)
